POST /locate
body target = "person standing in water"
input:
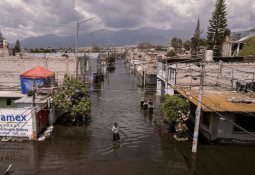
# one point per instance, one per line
(142, 101)
(115, 132)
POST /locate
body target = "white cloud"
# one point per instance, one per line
(24, 18)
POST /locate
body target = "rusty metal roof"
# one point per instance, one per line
(219, 100)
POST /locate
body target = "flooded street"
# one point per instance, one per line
(145, 148)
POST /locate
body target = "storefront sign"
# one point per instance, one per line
(16, 122)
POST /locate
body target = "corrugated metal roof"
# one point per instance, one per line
(37, 72)
(218, 100)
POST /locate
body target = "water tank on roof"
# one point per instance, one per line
(208, 55)
(5, 43)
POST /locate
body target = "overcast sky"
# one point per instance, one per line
(25, 18)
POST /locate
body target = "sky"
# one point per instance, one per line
(28, 18)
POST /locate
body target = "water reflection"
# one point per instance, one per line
(23, 157)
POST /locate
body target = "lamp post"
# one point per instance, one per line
(76, 47)
(91, 35)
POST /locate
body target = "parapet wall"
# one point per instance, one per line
(11, 67)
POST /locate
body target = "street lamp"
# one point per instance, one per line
(91, 37)
(76, 47)
(91, 34)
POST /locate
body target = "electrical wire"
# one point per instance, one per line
(221, 115)
(34, 109)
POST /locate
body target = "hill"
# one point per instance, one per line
(108, 38)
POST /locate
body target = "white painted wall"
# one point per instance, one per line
(16, 122)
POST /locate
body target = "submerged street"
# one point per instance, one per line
(145, 148)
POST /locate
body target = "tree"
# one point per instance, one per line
(17, 46)
(217, 28)
(171, 53)
(187, 45)
(196, 39)
(1, 40)
(72, 97)
(176, 43)
(159, 48)
(95, 49)
(173, 106)
(145, 45)
(203, 42)
(1, 37)
(111, 61)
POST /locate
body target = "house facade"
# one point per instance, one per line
(227, 113)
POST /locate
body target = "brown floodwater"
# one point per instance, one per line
(145, 148)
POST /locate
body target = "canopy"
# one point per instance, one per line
(37, 72)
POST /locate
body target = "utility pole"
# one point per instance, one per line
(33, 114)
(144, 74)
(76, 50)
(76, 45)
(90, 52)
(198, 110)
(33, 93)
(191, 78)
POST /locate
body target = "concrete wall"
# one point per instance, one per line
(221, 129)
(226, 130)
(4, 52)
(217, 74)
(11, 67)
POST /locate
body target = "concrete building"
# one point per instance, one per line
(7, 98)
(223, 112)
(143, 64)
(24, 115)
(221, 96)
(233, 43)
(11, 67)
(4, 50)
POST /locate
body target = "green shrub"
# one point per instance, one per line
(173, 106)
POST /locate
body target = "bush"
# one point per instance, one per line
(171, 54)
(72, 97)
(173, 107)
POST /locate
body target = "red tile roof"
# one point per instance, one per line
(37, 72)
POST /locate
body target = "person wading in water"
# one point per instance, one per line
(115, 132)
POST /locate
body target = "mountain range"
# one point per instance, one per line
(108, 38)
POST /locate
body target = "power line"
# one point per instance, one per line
(2, 147)
(20, 121)
(34, 109)
(239, 69)
(221, 115)
(228, 110)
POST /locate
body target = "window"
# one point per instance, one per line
(245, 121)
(206, 119)
(163, 66)
(171, 75)
(9, 102)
